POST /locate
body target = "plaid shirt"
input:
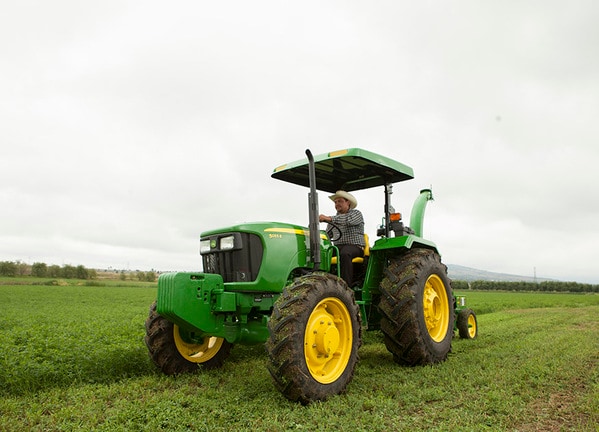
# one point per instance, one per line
(351, 225)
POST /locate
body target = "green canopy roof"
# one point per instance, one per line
(350, 169)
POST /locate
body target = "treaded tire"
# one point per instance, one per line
(161, 339)
(315, 332)
(416, 306)
(467, 324)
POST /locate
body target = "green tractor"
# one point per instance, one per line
(278, 284)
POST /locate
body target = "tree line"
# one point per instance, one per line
(67, 271)
(39, 269)
(545, 286)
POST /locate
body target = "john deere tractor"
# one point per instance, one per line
(278, 284)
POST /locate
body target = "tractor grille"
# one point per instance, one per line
(239, 265)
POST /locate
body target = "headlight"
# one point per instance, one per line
(204, 246)
(227, 243)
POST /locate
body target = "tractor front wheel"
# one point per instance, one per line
(176, 351)
(315, 333)
(416, 305)
(467, 324)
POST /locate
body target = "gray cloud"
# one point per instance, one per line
(130, 127)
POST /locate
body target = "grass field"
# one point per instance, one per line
(72, 357)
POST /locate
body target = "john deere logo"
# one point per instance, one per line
(212, 243)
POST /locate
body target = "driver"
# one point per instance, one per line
(351, 226)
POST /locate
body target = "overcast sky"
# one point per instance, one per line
(127, 128)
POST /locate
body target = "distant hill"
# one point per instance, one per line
(458, 272)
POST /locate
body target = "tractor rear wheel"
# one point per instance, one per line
(467, 324)
(315, 333)
(176, 351)
(416, 306)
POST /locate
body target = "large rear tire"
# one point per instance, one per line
(315, 333)
(176, 351)
(417, 308)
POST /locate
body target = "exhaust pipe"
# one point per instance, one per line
(313, 213)
(417, 215)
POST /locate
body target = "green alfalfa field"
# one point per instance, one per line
(72, 357)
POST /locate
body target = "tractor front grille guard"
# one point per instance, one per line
(240, 264)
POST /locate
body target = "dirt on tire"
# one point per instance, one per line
(401, 306)
(287, 327)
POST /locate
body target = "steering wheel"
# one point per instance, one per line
(333, 232)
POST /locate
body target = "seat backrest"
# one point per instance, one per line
(357, 260)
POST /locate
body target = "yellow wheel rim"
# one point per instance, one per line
(471, 326)
(197, 352)
(436, 308)
(328, 340)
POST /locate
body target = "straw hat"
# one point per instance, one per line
(353, 202)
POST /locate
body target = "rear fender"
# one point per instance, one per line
(399, 244)
(380, 252)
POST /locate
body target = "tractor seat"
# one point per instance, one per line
(357, 260)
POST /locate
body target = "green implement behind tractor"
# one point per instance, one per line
(278, 284)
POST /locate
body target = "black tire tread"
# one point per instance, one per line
(462, 324)
(287, 327)
(405, 334)
(164, 353)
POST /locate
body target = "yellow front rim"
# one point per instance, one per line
(197, 352)
(328, 340)
(471, 325)
(436, 308)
